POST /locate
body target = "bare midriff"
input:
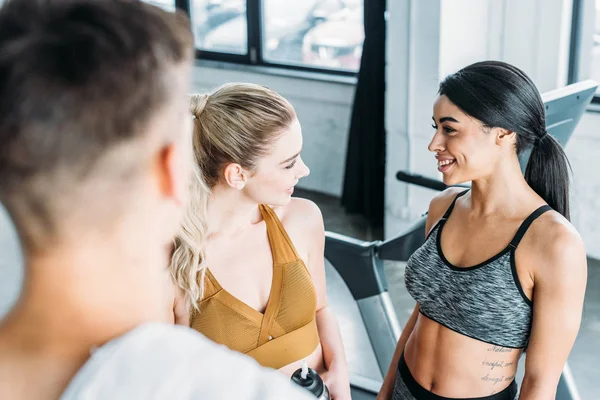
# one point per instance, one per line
(453, 365)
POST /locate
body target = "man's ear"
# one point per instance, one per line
(235, 176)
(173, 173)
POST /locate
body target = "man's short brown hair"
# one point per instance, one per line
(77, 78)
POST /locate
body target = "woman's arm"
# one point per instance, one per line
(311, 227)
(334, 355)
(560, 277)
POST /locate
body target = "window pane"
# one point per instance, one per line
(220, 25)
(316, 33)
(168, 5)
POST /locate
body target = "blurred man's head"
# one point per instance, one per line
(95, 129)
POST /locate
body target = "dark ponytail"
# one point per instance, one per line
(547, 173)
(501, 95)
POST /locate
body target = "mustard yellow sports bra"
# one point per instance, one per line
(286, 332)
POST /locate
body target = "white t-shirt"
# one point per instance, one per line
(160, 361)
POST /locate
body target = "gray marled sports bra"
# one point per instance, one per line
(485, 302)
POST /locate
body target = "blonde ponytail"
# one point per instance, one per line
(197, 104)
(187, 262)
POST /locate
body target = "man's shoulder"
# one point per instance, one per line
(157, 361)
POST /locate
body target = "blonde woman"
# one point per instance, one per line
(262, 278)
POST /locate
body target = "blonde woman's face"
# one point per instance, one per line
(278, 172)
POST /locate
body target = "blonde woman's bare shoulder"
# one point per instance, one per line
(303, 221)
(301, 212)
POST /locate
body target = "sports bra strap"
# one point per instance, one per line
(449, 210)
(527, 223)
(282, 248)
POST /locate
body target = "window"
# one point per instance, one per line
(220, 26)
(595, 59)
(168, 5)
(323, 35)
(585, 42)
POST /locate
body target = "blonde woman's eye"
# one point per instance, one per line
(291, 165)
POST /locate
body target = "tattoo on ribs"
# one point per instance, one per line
(497, 379)
(498, 349)
(497, 364)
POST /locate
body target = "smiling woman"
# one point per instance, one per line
(502, 269)
(262, 275)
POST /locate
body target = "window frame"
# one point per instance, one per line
(254, 56)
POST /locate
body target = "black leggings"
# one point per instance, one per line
(407, 388)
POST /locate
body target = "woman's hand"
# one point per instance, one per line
(338, 384)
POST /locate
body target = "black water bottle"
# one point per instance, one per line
(309, 379)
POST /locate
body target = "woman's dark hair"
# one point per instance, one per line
(501, 95)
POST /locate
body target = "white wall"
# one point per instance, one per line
(412, 77)
(465, 37)
(583, 150)
(531, 34)
(323, 109)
